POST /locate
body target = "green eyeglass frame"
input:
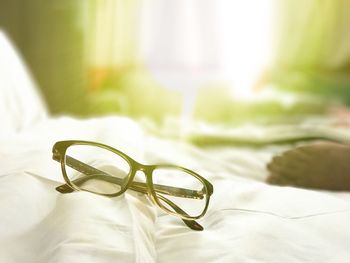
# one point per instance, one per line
(152, 190)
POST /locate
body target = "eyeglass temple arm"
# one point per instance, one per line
(137, 186)
(190, 223)
(92, 173)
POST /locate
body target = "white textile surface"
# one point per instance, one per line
(20, 102)
(247, 221)
(38, 224)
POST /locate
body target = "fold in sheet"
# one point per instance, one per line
(38, 224)
(247, 220)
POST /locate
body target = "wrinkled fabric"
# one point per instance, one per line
(38, 224)
(247, 220)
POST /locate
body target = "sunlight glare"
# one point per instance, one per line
(246, 42)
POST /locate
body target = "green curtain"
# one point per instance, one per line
(112, 34)
(312, 48)
(313, 34)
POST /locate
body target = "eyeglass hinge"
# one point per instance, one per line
(56, 155)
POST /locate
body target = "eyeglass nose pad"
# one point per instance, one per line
(151, 197)
(124, 182)
(149, 190)
(145, 181)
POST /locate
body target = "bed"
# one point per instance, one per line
(247, 220)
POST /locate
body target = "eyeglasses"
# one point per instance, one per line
(103, 170)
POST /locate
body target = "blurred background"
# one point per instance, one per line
(216, 61)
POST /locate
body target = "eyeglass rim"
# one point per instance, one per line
(59, 153)
(60, 148)
(206, 184)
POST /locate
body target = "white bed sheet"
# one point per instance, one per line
(247, 221)
(21, 103)
(38, 224)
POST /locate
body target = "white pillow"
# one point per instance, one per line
(20, 102)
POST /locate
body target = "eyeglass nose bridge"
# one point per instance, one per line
(146, 170)
(140, 167)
